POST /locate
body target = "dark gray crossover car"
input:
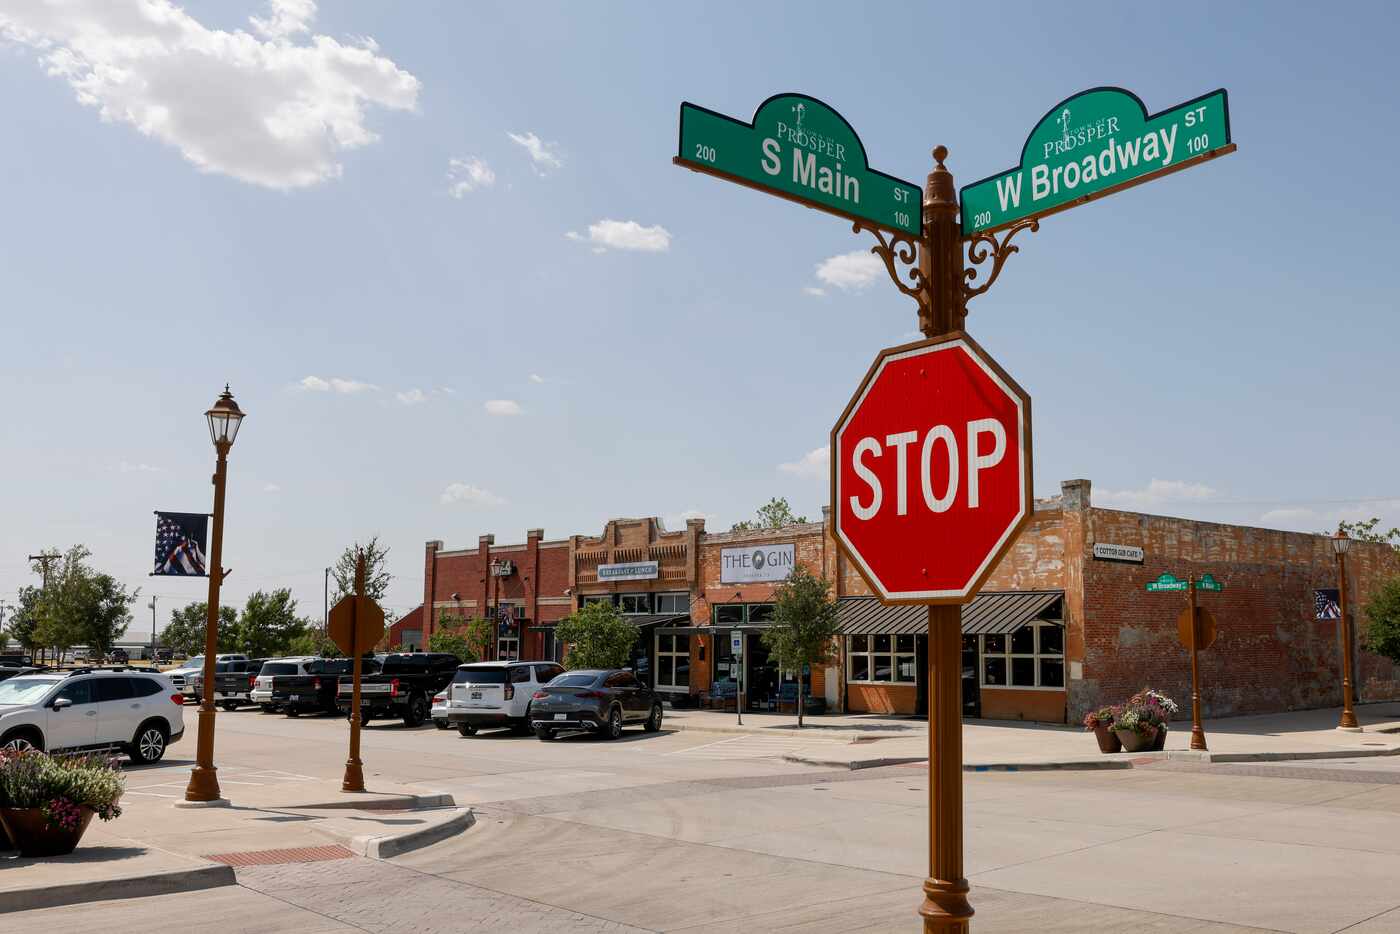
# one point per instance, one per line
(595, 701)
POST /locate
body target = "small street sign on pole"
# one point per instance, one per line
(1195, 627)
(798, 148)
(1167, 583)
(1094, 144)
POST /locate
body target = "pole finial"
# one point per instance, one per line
(939, 154)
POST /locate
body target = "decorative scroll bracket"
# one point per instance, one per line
(899, 250)
(984, 246)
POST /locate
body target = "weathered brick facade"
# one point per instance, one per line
(1271, 654)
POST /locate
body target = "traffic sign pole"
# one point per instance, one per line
(1198, 735)
(354, 779)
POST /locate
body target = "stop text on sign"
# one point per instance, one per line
(931, 471)
(938, 493)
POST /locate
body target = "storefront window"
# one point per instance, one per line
(1033, 657)
(881, 658)
(760, 612)
(672, 661)
(601, 598)
(728, 614)
(507, 649)
(634, 603)
(673, 603)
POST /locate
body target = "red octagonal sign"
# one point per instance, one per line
(931, 470)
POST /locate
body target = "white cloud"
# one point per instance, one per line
(126, 467)
(624, 235)
(536, 378)
(1156, 493)
(467, 175)
(850, 272)
(1326, 516)
(815, 463)
(470, 495)
(412, 397)
(271, 488)
(257, 106)
(544, 157)
(814, 291)
(336, 384)
(503, 407)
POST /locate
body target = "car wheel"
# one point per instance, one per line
(466, 729)
(544, 733)
(417, 712)
(268, 708)
(149, 745)
(654, 721)
(293, 712)
(440, 724)
(21, 740)
(615, 723)
(523, 727)
(229, 705)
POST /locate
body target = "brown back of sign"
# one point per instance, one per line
(1205, 628)
(355, 624)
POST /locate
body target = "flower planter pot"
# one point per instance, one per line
(1136, 742)
(1160, 742)
(31, 834)
(1108, 740)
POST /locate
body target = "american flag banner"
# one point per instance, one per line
(1326, 603)
(180, 542)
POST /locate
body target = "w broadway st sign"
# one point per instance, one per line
(1093, 144)
(931, 470)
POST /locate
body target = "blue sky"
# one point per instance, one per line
(276, 205)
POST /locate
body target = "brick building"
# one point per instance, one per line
(1060, 627)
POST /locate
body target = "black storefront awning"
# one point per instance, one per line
(990, 612)
(642, 621)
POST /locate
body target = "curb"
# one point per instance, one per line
(826, 732)
(854, 763)
(1297, 756)
(136, 886)
(385, 846)
(379, 803)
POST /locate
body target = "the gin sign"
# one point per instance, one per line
(1092, 144)
(798, 148)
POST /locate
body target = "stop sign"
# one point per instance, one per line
(931, 470)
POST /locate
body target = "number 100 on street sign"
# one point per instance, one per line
(800, 149)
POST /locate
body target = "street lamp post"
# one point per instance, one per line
(1341, 543)
(224, 418)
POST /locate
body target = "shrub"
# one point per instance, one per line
(60, 786)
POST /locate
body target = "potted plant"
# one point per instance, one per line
(1101, 723)
(1163, 709)
(47, 802)
(1137, 726)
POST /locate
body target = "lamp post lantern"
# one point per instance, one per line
(1341, 544)
(224, 418)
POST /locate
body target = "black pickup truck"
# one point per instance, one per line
(233, 681)
(315, 691)
(403, 688)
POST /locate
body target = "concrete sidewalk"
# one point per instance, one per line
(157, 847)
(866, 741)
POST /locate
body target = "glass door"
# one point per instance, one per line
(971, 698)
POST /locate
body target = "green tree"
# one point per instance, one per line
(1382, 635)
(314, 642)
(598, 637)
(469, 641)
(81, 606)
(377, 576)
(804, 630)
(268, 624)
(775, 514)
(185, 631)
(25, 619)
(1365, 530)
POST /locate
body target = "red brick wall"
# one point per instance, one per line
(1270, 654)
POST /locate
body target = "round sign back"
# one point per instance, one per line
(931, 470)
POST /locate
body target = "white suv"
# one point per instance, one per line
(492, 694)
(138, 711)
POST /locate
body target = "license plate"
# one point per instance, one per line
(476, 695)
(295, 697)
(561, 716)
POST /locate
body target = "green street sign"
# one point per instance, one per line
(1093, 144)
(798, 148)
(1166, 583)
(1209, 583)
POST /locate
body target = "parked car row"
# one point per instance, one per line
(526, 696)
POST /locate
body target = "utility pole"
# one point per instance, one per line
(326, 601)
(153, 628)
(44, 560)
